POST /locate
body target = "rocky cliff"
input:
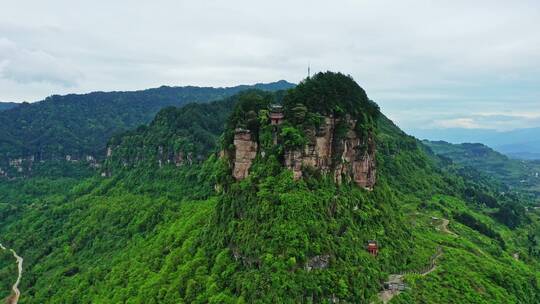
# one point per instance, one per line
(334, 148)
(22, 167)
(244, 153)
(160, 156)
(349, 156)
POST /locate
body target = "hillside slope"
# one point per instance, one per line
(77, 127)
(518, 175)
(177, 135)
(281, 231)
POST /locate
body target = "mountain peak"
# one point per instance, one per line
(326, 123)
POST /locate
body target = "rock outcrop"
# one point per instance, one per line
(318, 262)
(244, 153)
(161, 155)
(344, 155)
(349, 156)
(317, 153)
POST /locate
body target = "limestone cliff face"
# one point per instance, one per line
(160, 155)
(348, 155)
(244, 154)
(317, 153)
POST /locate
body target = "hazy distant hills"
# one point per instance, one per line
(80, 124)
(525, 144)
(521, 175)
(520, 143)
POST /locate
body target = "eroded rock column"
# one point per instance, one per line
(245, 153)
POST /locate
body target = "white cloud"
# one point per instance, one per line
(465, 123)
(500, 121)
(533, 115)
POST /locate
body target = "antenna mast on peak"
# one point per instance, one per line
(309, 70)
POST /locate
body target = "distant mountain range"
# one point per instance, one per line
(519, 175)
(520, 143)
(77, 126)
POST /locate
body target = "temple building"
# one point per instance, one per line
(276, 115)
(372, 248)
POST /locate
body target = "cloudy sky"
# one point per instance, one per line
(429, 64)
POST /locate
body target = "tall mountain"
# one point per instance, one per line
(78, 126)
(312, 196)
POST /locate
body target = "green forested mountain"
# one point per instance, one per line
(7, 105)
(517, 175)
(80, 125)
(177, 135)
(158, 231)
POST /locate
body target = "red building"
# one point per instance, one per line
(276, 115)
(372, 248)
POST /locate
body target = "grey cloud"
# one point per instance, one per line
(26, 66)
(422, 61)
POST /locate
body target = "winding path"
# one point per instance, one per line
(397, 279)
(386, 295)
(16, 293)
(444, 227)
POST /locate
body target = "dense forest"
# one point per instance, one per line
(159, 229)
(178, 135)
(7, 105)
(77, 126)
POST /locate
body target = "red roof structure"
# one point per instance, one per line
(276, 115)
(373, 248)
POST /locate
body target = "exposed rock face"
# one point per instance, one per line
(318, 262)
(317, 153)
(244, 154)
(349, 156)
(365, 169)
(163, 155)
(21, 166)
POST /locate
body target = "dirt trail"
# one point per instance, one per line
(396, 280)
(444, 227)
(16, 293)
(386, 295)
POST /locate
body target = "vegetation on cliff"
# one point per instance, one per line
(333, 135)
